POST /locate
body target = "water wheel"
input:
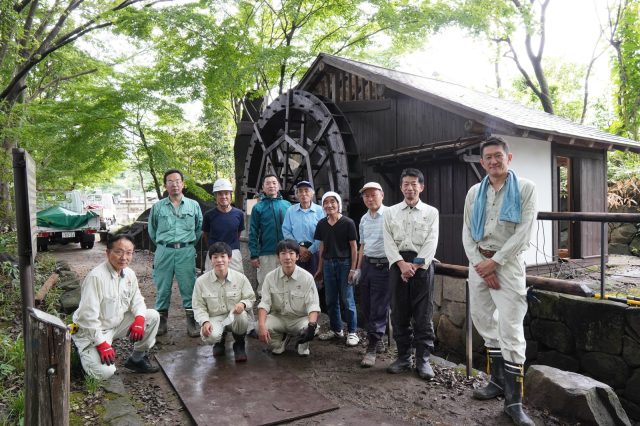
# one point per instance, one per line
(301, 136)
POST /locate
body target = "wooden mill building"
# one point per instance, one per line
(399, 120)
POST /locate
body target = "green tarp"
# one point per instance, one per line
(61, 218)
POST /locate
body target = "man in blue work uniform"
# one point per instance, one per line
(265, 230)
(175, 226)
(300, 225)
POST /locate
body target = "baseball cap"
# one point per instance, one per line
(368, 185)
(303, 184)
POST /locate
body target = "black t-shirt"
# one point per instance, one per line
(336, 238)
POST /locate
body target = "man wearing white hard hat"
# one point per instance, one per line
(224, 223)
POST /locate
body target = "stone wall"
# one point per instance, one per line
(624, 238)
(600, 339)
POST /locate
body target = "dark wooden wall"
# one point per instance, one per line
(421, 123)
(382, 126)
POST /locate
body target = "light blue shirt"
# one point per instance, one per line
(371, 233)
(300, 224)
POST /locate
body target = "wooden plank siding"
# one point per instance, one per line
(421, 123)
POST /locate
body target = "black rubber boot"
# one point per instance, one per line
(423, 367)
(192, 327)
(403, 363)
(219, 348)
(496, 381)
(162, 328)
(513, 392)
(239, 352)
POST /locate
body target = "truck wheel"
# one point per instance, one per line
(87, 246)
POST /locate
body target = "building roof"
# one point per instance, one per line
(494, 113)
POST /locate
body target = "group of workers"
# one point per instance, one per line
(302, 248)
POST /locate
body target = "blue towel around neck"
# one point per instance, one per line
(510, 211)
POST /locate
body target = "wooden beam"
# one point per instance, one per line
(334, 88)
(539, 283)
(48, 284)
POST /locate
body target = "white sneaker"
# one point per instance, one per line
(278, 348)
(352, 339)
(329, 335)
(303, 349)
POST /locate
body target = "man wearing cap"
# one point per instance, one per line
(175, 226)
(300, 224)
(410, 240)
(224, 223)
(266, 228)
(372, 272)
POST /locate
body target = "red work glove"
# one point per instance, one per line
(107, 354)
(136, 330)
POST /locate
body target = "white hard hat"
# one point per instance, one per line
(222, 185)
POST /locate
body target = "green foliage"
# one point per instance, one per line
(91, 384)
(565, 88)
(624, 181)
(11, 378)
(626, 72)
(8, 243)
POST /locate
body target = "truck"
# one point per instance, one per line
(62, 219)
(104, 205)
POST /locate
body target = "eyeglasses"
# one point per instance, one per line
(176, 182)
(121, 253)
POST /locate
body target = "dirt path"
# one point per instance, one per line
(332, 369)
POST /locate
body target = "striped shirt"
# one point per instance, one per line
(371, 233)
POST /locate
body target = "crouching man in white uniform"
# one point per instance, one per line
(111, 307)
(220, 302)
(290, 304)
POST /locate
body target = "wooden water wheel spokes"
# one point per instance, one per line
(301, 136)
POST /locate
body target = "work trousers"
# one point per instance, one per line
(168, 262)
(279, 325)
(498, 314)
(236, 262)
(89, 356)
(412, 309)
(311, 266)
(267, 264)
(375, 296)
(238, 326)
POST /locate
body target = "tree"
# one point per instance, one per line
(31, 31)
(624, 37)
(231, 48)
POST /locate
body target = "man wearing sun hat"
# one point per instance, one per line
(372, 272)
(300, 223)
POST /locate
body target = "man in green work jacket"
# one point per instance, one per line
(266, 228)
(175, 226)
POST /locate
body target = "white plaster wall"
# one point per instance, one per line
(532, 160)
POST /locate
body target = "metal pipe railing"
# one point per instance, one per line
(601, 217)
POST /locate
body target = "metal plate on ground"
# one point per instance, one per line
(217, 391)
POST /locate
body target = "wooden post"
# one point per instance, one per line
(49, 365)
